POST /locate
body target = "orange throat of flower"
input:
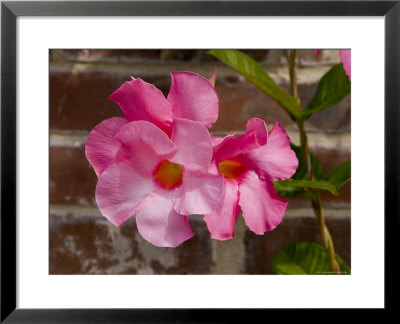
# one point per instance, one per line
(231, 169)
(167, 174)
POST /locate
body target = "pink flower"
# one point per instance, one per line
(160, 179)
(191, 96)
(345, 57)
(249, 164)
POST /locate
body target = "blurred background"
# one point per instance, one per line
(82, 241)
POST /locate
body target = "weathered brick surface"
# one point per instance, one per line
(241, 101)
(90, 245)
(94, 246)
(79, 100)
(73, 181)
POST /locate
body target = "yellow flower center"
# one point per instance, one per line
(231, 169)
(168, 174)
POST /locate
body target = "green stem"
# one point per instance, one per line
(304, 146)
(325, 235)
(316, 200)
(334, 264)
(292, 72)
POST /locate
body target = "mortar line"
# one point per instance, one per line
(77, 211)
(308, 74)
(317, 139)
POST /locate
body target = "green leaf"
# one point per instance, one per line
(331, 181)
(340, 175)
(316, 184)
(254, 73)
(286, 191)
(317, 168)
(305, 258)
(332, 88)
(301, 172)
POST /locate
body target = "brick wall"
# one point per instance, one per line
(84, 242)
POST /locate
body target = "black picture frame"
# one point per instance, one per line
(9, 13)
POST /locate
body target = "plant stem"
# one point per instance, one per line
(318, 208)
(316, 200)
(304, 146)
(334, 264)
(325, 235)
(319, 212)
(292, 72)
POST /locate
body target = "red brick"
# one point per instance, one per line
(78, 100)
(72, 179)
(88, 245)
(242, 101)
(80, 247)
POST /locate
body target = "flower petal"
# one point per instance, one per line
(101, 146)
(193, 97)
(263, 209)
(216, 140)
(145, 144)
(258, 127)
(221, 223)
(219, 142)
(345, 56)
(118, 191)
(255, 137)
(213, 78)
(159, 223)
(199, 193)
(193, 143)
(140, 100)
(275, 160)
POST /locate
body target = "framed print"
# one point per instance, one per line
(251, 117)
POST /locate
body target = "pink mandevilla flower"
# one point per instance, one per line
(249, 164)
(161, 176)
(191, 96)
(156, 163)
(160, 179)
